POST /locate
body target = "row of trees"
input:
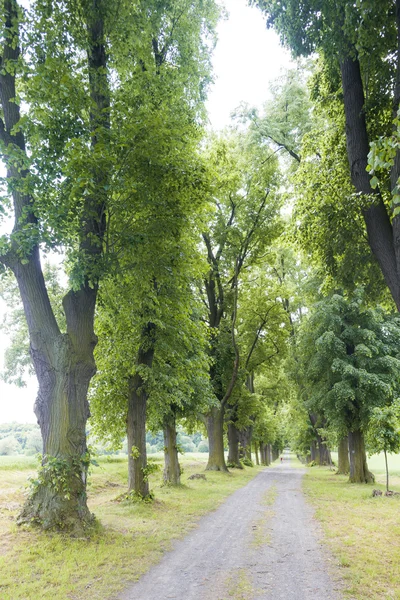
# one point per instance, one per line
(344, 356)
(165, 242)
(175, 244)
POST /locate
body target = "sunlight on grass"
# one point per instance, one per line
(128, 539)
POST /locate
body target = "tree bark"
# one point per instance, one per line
(136, 418)
(314, 452)
(245, 436)
(172, 470)
(233, 443)
(215, 431)
(359, 472)
(387, 471)
(263, 454)
(343, 457)
(324, 454)
(256, 453)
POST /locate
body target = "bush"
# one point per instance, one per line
(34, 443)
(203, 446)
(9, 446)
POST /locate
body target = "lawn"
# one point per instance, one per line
(129, 538)
(362, 531)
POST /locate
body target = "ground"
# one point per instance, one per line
(261, 543)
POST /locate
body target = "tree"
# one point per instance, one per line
(57, 176)
(262, 332)
(244, 223)
(349, 356)
(150, 325)
(384, 432)
(286, 116)
(360, 50)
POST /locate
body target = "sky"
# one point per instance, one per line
(248, 57)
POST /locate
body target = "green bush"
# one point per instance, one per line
(203, 446)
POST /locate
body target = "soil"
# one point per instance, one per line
(262, 543)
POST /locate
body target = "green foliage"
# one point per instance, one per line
(349, 360)
(286, 116)
(150, 468)
(9, 445)
(58, 474)
(384, 429)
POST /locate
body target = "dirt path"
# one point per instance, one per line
(261, 543)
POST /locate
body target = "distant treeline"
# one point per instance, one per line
(25, 438)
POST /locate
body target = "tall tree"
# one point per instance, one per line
(360, 46)
(73, 167)
(244, 223)
(154, 223)
(349, 356)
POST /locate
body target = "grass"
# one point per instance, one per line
(238, 586)
(260, 535)
(363, 532)
(128, 540)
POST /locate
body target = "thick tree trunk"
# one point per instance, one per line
(263, 454)
(343, 457)
(172, 470)
(233, 443)
(64, 366)
(245, 436)
(314, 452)
(59, 499)
(323, 452)
(215, 431)
(136, 419)
(359, 472)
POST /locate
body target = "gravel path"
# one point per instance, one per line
(261, 543)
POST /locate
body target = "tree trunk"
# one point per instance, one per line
(359, 472)
(323, 452)
(256, 453)
(172, 470)
(314, 452)
(387, 471)
(264, 454)
(233, 442)
(269, 456)
(58, 500)
(245, 436)
(136, 419)
(343, 457)
(215, 431)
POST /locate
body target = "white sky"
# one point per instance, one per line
(247, 58)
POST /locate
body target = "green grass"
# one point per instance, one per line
(129, 537)
(363, 532)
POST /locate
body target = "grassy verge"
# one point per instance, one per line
(363, 532)
(128, 540)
